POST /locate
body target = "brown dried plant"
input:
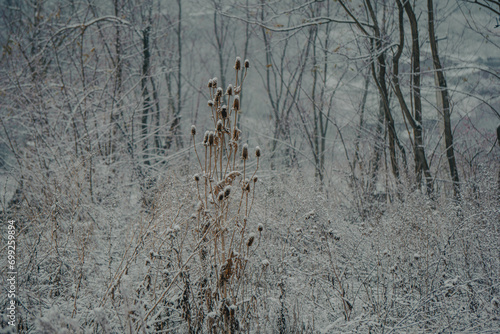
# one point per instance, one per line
(225, 198)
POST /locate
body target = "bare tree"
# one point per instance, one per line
(379, 74)
(175, 103)
(444, 101)
(282, 81)
(415, 120)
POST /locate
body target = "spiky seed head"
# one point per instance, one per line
(210, 103)
(205, 137)
(236, 103)
(250, 240)
(237, 64)
(211, 138)
(214, 82)
(219, 125)
(223, 112)
(257, 152)
(220, 197)
(219, 91)
(236, 134)
(246, 186)
(193, 130)
(227, 191)
(232, 175)
(210, 83)
(260, 228)
(196, 177)
(244, 152)
(255, 179)
(247, 63)
(229, 90)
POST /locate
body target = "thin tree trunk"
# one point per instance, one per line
(316, 113)
(115, 110)
(220, 47)
(175, 104)
(176, 124)
(156, 99)
(145, 94)
(380, 81)
(421, 165)
(445, 100)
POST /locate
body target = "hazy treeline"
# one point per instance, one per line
(361, 85)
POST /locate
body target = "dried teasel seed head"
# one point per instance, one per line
(223, 112)
(257, 152)
(229, 90)
(214, 82)
(231, 176)
(237, 64)
(255, 179)
(220, 197)
(210, 83)
(221, 184)
(227, 191)
(244, 152)
(260, 227)
(246, 186)
(247, 63)
(219, 91)
(250, 240)
(210, 103)
(219, 125)
(211, 138)
(196, 177)
(193, 130)
(236, 103)
(236, 134)
(205, 137)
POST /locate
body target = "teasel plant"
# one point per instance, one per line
(226, 190)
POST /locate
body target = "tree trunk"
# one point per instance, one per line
(445, 101)
(421, 165)
(176, 124)
(146, 100)
(379, 75)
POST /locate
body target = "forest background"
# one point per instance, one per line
(376, 206)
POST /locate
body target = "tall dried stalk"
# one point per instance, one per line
(222, 212)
